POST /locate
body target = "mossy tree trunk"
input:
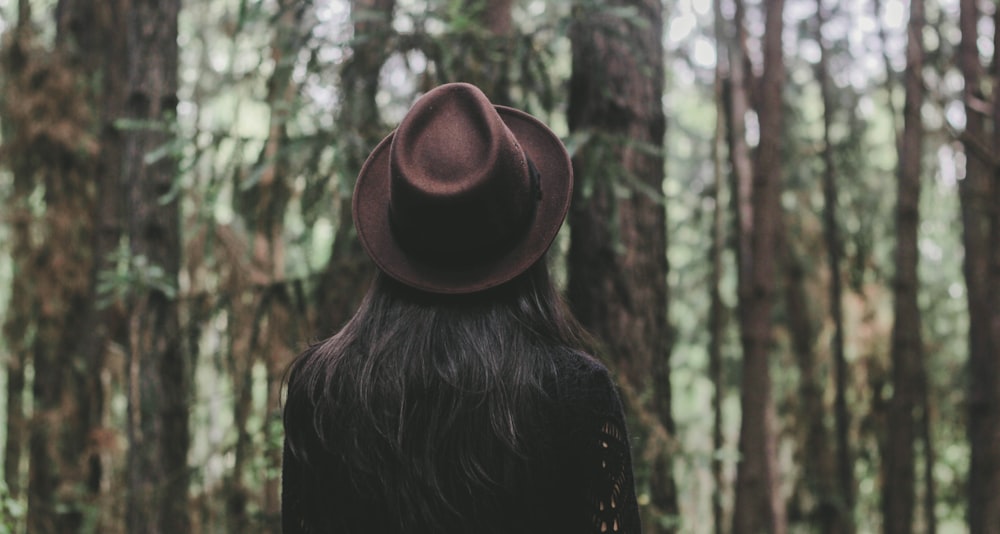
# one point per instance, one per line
(60, 106)
(157, 474)
(617, 263)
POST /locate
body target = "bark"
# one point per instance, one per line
(617, 258)
(496, 15)
(22, 295)
(157, 475)
(991, 367)
(758, 506)
(844, 501)
(977, 192)
(61, 115)
(483, 55)
(348, 273)
(906, 350)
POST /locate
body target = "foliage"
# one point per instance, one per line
(11, 511)
(230, 301)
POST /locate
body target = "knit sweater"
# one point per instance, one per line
(578, 482)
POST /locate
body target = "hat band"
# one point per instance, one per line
(455, 244)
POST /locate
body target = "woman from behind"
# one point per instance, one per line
(460, 398)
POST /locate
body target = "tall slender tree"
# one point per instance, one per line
(991, 515)
(280, 333)
(346, 276)
(978, 204)
(158, 371)
(831, 235)
(758, 506)
(617, 259)
(991, 367)
(816, 448)
(59, 108)
(19, 313)
(737, 106)
(907, 346)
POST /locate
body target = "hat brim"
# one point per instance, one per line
(371, 214)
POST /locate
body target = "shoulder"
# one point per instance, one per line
(587, 385)
(576, 363)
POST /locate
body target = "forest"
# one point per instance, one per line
(785, 235)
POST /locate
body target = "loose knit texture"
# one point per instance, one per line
(580, 482)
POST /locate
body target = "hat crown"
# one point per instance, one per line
(461, 188)
(463, 195)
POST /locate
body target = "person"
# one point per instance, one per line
(461, 397)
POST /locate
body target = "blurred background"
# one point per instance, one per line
(785, 235)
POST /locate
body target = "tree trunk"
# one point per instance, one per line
(617, 258)
(977, 192)
(907, 349)
(737, 106)
(759, 506)
(60, 143)
(991, 367)
(20, 308)
(816, 449)
(485, 50)
(844, 501)
(158, 372)
(346, 278)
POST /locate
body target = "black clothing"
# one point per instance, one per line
(579, 482)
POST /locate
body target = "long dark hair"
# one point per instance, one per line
(427, 400)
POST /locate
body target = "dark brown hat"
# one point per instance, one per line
(463, 195)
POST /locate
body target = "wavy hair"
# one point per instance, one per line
(428, 402)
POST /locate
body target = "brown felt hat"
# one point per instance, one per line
(463, 195)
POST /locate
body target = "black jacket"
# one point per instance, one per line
(580, 482)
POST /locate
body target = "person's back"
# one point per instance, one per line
(459, 398)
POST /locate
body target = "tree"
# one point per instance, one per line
(158, 387)
(270, 335)
(831, 234)
(264, 325)
(907, 346)
(19, 311)
(61, 105)
(981, 238)
(281, 102)
(346, 277)
(617, 260)
(480, 49)
(758, 505)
